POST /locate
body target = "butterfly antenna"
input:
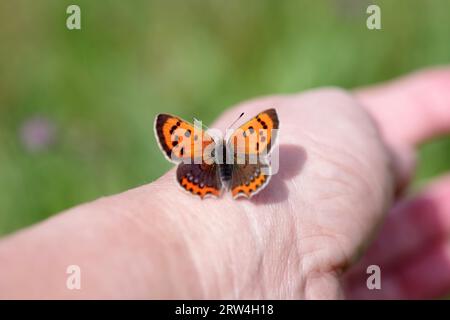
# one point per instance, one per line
(236, 120)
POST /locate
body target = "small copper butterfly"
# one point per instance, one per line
(207, 165)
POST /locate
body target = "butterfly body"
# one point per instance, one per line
(225, 171)
(207, 165)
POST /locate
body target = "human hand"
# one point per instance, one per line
(338, 176)
(412, 248)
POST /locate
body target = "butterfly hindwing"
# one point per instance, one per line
(180, 140)
(249, 179)
(199, 179)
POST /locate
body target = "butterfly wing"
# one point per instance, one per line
(249, 179)
(191, 147)
(251, 144)
(180, 141)
(200, 179)
(256, 136)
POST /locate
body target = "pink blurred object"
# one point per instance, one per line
(37, 133)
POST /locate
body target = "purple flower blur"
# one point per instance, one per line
(37, 133)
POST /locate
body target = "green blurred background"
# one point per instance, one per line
(77, 107)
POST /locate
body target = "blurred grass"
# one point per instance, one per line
(101, 86)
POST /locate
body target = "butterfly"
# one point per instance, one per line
(209, 164)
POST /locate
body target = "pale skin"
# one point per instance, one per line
(345, 158)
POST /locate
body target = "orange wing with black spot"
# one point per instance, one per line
(198, 173)
(181, 141)
(257, 135)
(251, 143)
(191, 147)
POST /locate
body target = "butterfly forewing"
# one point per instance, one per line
(256, 136)
(181, 141)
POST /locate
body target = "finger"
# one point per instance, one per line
(412, 109)
(403, 161)
(411, 226)
(424, 276)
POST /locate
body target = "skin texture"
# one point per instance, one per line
(345, 159)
